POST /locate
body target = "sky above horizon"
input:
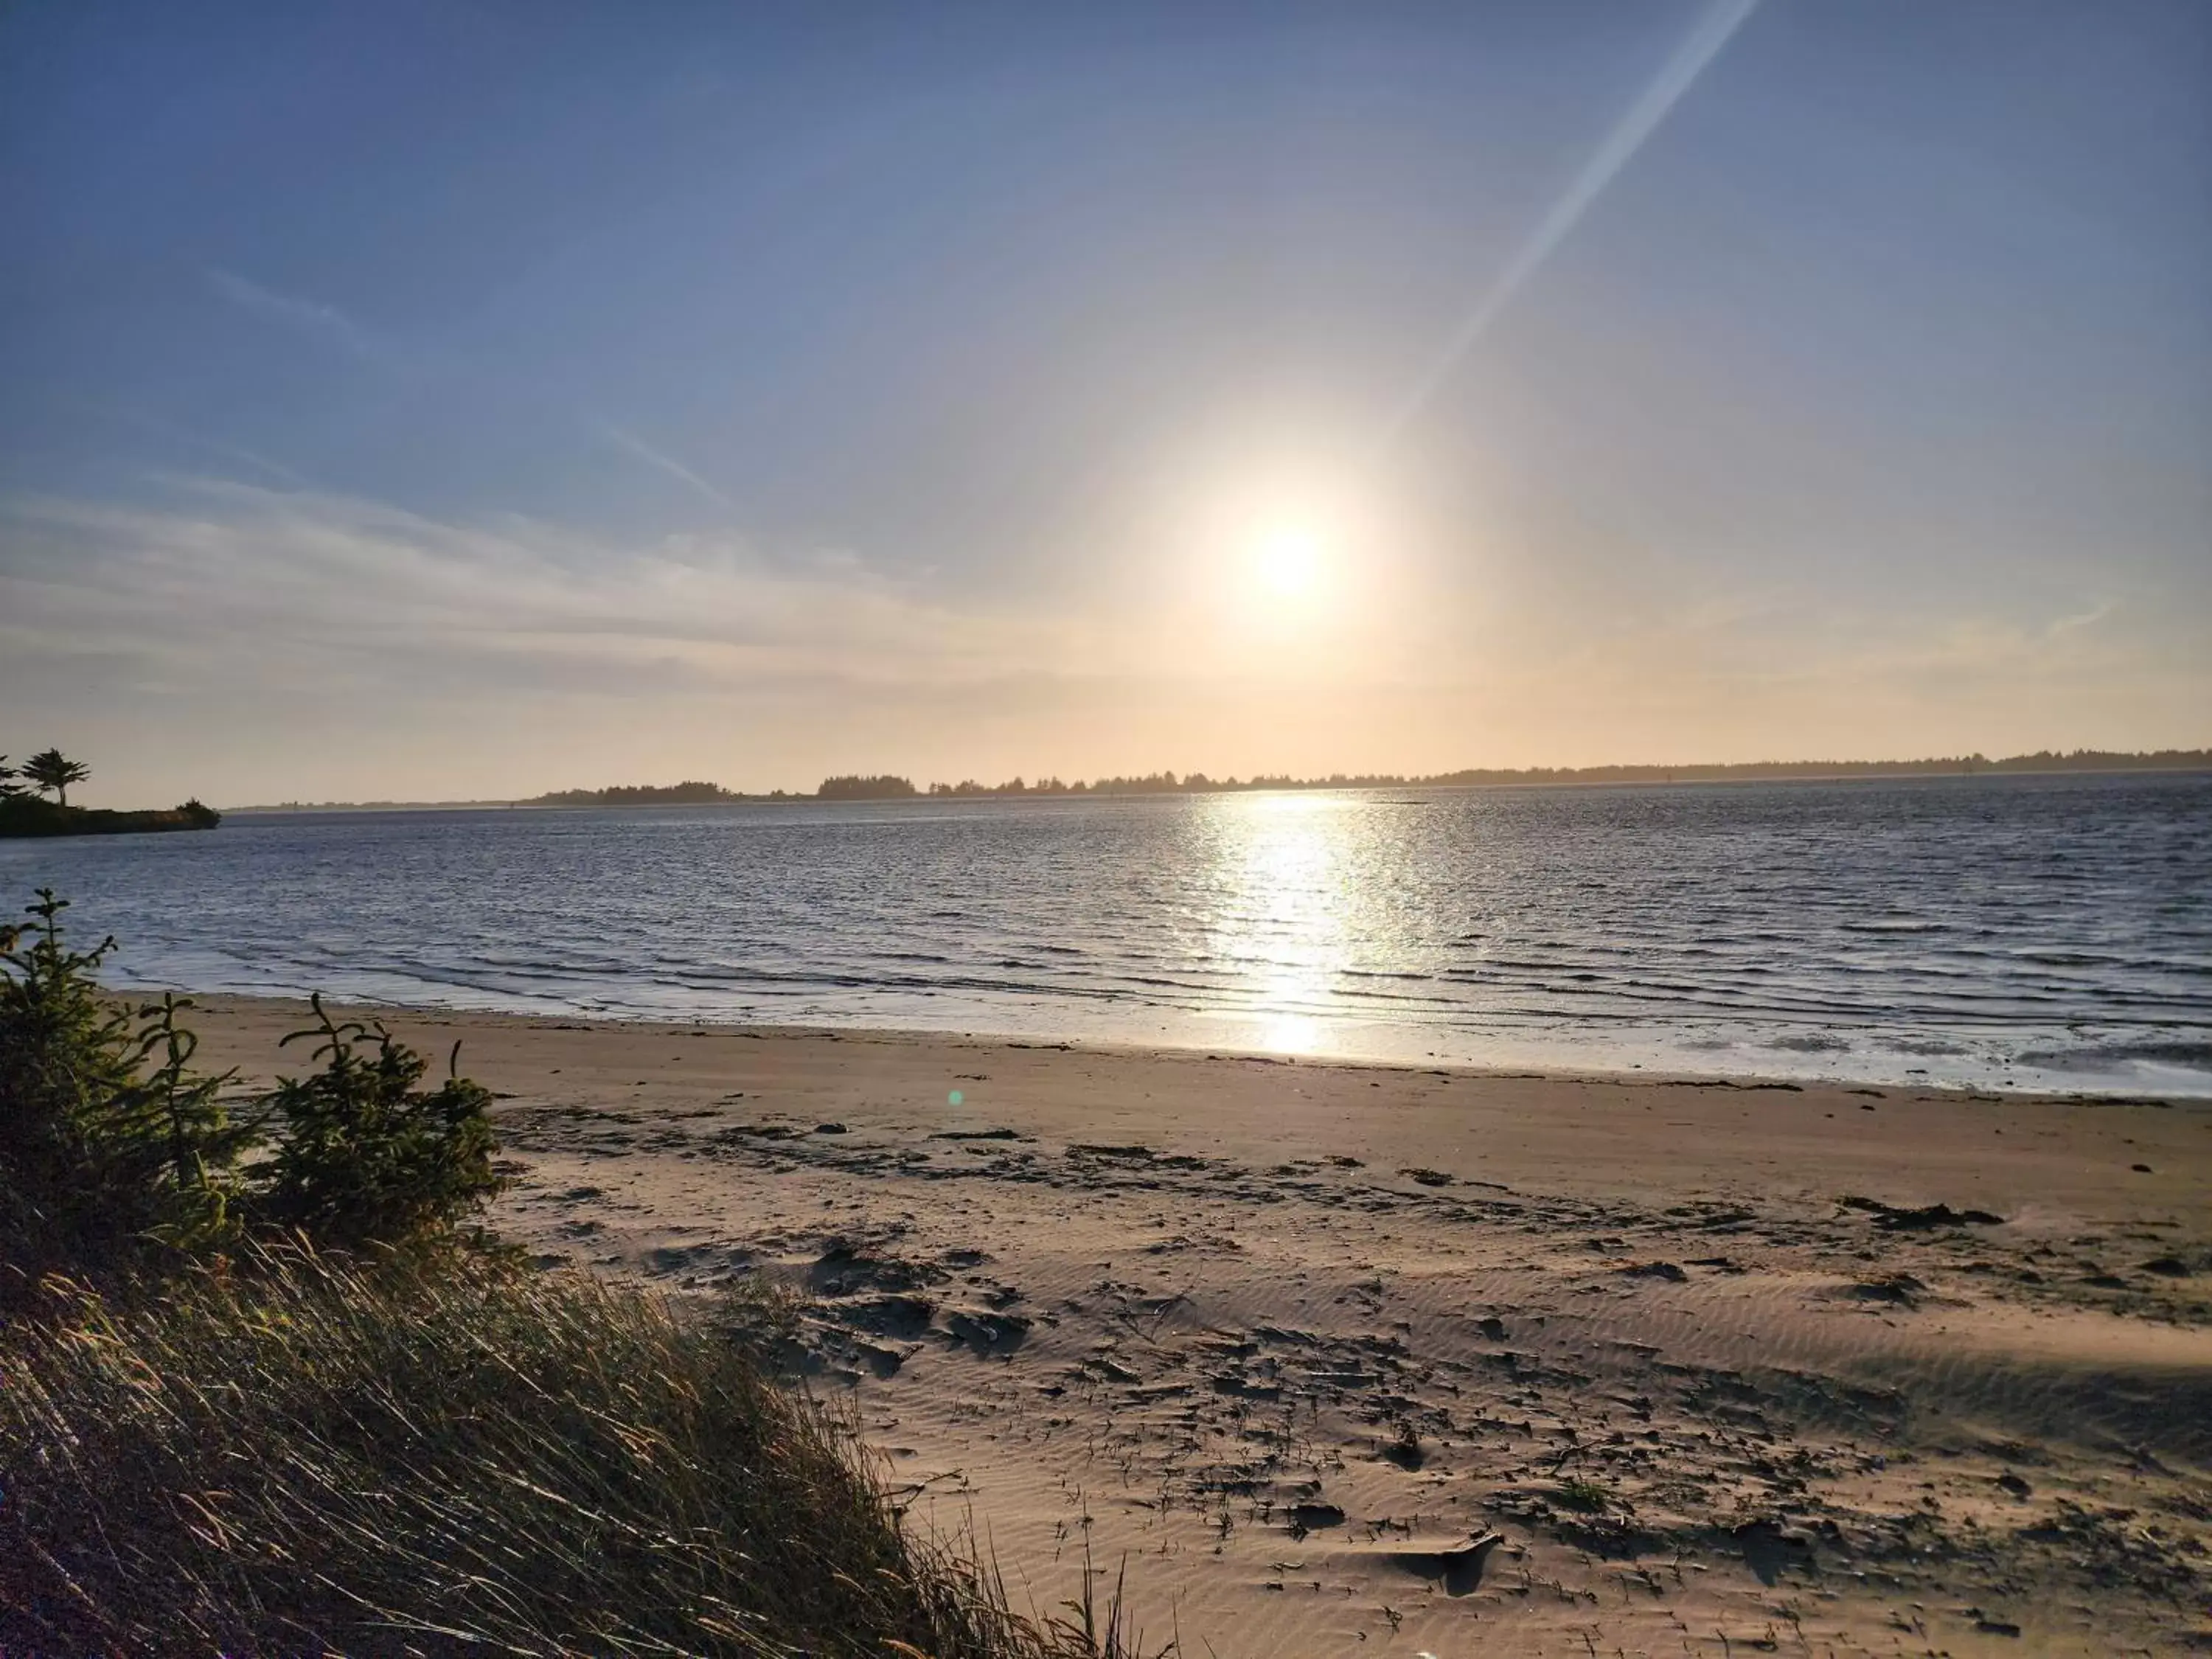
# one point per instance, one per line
(465, 400)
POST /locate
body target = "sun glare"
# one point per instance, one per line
(1288, 561)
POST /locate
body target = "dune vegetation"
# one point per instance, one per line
(266, 1387)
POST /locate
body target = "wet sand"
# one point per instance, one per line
(1341, 1357)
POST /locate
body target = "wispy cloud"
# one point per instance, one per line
(242, 583)
(631, 444)
(2079, 619)
(327, 324)
(204, 442)
(303, 316)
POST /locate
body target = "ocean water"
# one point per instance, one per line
(2034, 932)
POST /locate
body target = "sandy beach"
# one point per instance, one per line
(1329, 1358)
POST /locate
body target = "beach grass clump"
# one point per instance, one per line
(442, 1453)
(1585, 1498)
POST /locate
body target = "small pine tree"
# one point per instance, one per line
(49, 768)
(363, 1155)
(99, 1158)
(179, 1120)
(63, 1052)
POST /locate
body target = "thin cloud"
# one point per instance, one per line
(207, 445)
(2090, 618)
(302, 316)
(631, 444)
(318, 321)
(311, 584)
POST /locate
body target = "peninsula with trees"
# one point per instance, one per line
(25, 809)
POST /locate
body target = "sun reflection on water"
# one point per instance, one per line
(1283, 912)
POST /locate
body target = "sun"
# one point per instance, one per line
(1288, 561)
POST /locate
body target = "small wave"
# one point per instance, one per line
(1815, 1042)
(2197, 1056)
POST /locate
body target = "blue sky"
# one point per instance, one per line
(467, 399)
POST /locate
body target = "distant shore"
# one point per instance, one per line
(24, 818)
(889, 788)
(1353, 1357)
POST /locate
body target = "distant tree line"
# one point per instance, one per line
(692, 792)
(2044, 760)
(1196, 783)
(890, 786)
(886, 787)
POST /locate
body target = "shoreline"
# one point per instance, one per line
(1512, 1123)
(1424, 1359)
(234, 1003)
(2132, 1093)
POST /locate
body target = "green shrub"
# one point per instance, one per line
(443, 1454)
(364, 1156)
(116, 1155)
(23, 814)
(108, 1144)
(178, 1122)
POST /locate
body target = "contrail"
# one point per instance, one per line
(1713, 31)
(633, 444)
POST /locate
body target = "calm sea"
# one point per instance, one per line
(2031, 932)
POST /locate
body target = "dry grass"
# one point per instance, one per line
(445, 1456)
